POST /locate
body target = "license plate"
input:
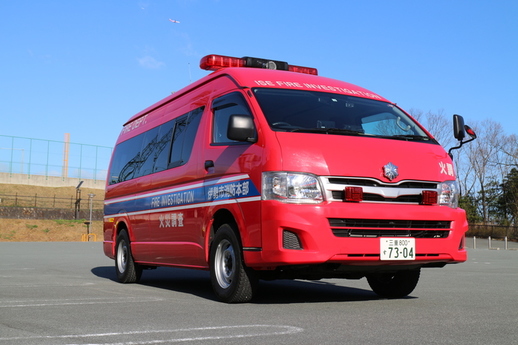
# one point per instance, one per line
(397, 248)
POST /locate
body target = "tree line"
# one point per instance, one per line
(487, 168)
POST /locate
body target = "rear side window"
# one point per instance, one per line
(183, 138)
(125, 160)
(163, 146)
(148, 151)
(166, 146)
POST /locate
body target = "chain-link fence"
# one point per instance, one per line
(36, 206)
(32, 156)
(48, 201)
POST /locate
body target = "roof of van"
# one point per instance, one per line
(255, 77)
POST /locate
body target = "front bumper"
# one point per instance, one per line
(319, 244)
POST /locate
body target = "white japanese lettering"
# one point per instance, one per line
(171, 220)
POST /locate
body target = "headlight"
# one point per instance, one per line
(288, 187)
(449, 194)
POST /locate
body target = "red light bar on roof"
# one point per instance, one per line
(300, 69)
(215, 62)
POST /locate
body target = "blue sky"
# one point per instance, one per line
(85, 67)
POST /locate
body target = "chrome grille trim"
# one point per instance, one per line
(376, 191)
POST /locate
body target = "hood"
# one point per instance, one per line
(355, 156)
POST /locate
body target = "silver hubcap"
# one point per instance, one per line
(122, 256)
(225, 263)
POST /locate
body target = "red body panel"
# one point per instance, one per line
(321, 246)
(337, 155)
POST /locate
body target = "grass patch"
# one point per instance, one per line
(8, 236)
(46, 230)
(69, 222)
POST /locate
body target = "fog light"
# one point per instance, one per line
(429, 197)
(354, 194)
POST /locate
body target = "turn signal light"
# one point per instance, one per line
(354, 194)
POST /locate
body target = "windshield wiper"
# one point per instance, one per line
(327, 131)
(410, 137)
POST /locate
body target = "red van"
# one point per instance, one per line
(264, 170)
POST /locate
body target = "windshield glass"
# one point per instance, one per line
(320, 112)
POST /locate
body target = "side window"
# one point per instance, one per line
(165, 136)
(183, 137)
(148, 152)
(160, 148)
(190, 133)
(178, 136)
(223, 107)
(126, 160)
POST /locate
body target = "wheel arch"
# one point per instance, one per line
(121, 225)
(220, 217)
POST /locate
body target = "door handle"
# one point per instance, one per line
(209, 164)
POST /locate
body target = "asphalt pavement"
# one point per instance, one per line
(66, 293)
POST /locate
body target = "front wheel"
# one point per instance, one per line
(127, 270)
(231, 280)
(394, 285)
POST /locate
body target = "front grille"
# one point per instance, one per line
(340, 195)
(390, 233)
(375, 183)
(386, 223)
(408, 192)
(347, 227)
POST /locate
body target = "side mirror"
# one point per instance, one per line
(459, 132)
(458, 127)
(241, 128)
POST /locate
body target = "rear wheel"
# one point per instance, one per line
(231, 280)
(394, 285)
(127, 270)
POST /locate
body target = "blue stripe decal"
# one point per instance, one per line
(199, 193)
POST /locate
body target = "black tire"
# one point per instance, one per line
(231, 280)
(394, 285)
(127, 270)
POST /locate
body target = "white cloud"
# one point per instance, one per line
(150, 62)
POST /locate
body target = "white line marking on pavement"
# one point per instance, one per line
(73, 301)
(182, 335)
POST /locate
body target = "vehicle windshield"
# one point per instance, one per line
(329, 113)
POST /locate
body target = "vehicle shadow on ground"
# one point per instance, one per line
(194, 282)
(270, 292)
